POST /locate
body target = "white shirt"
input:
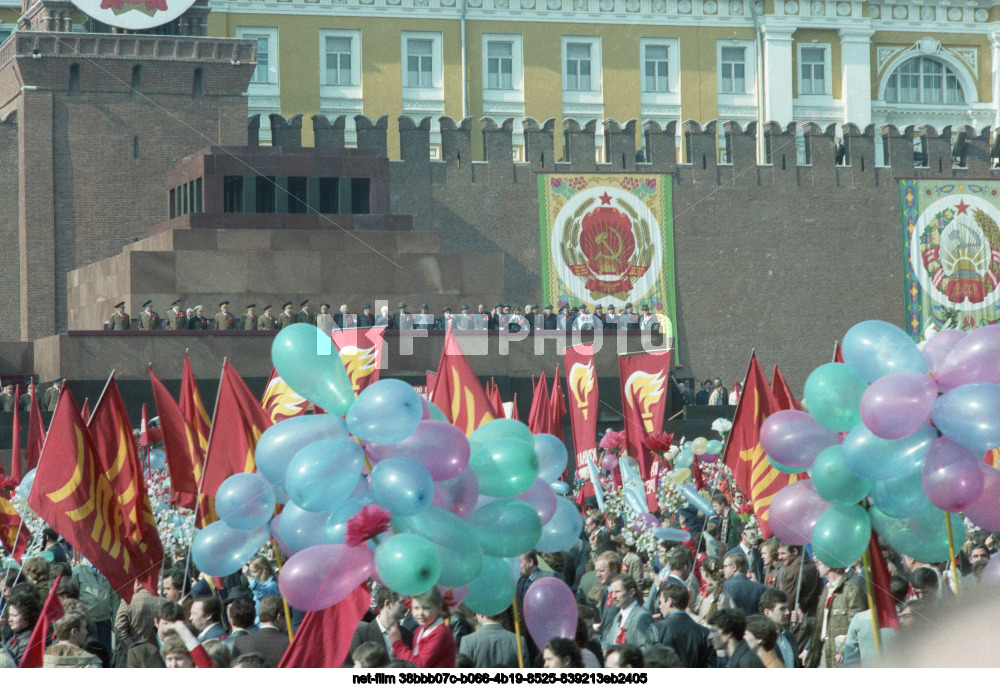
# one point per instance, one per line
(385, 636)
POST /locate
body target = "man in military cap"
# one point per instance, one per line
(250, 319)
(647, 321)
(446, 320)
(51, 397)
(24, 403)
(176, 319)
(7, 399)
(367, 318)
(286, 317)
(266, 321)
(304, 316)
(149, 319)
(198, 321)
(119, 319)
(402, 320)
(548, 318)
(224, 320)
(463, 321)
(424, 320)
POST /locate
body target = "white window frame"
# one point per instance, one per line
(264, 97)
(749, 73)
(436, 90)
(355, 37)
(595, 93)
(516, 92)
(673, 64)
(271, 33)
(827, 69)
(336, 100)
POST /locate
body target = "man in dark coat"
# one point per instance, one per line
(272, 639)
(727, 629)
(744, 592)
(679, 631)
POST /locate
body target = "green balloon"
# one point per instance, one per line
(713, 447)
(834, 482)
(408, 563)
(506, 527)
(436, 413)
(306, 359)
(841, 535)
(833, 396)
(505, 467)
(783, 468)
(456, 544)
(500, 429)
(923, 536)
(493, 589)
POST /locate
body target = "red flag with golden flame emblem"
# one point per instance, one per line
(753, 473)
(193, 408)
(458, 392)
(73, 494)
(14, 535)
(111, 433)
(361, 352)
(581, 380)
(281, 401)
(238, 423)
(782, 392)
(644, 402)
(180, 444)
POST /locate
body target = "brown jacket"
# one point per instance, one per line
(845, 600)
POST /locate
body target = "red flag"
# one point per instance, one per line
(885, 605)
(644, 401)
(74, 495)
(431, 381)
(238, 423)
(14, 535)
(180, 443)
(457, 390)
(36, 432)
(581, 380)
(992, 458)
(361, 352)
(52, 611)
(111, 433)
(280, 401)
(540, 416)
(753, 473)
(324, 637)
(143, 428)
(557, 407)
(493, 394)
(16, 467)
(193, 407)
(85, 409)
(838, 353)
(514, 414)
(782, 393)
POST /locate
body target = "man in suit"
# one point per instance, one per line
(367, 318)
(197, 320)
(24, 403)
(51, 397)
(403, 320)
(607, 566)
(424, 320)
(249, 321)
(271, 640)
(632, 623)
(391, 610)
(149, 319)
(119, 320)
(744, 592)
(240, 613)
(529, 574)
(446, 320)
(678, 630)
(774, 605)
(206, 617)
(492, 646)
(748, 548)
(343, 319)
(224, 320)
(176, 318)
(727, 629)
(679, 565)
(647, 321)
(267, 321)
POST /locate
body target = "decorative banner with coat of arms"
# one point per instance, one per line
(607, 239)
(951, 254)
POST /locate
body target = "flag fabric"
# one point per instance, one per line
(111, 433)
(752, 471)
(52, 611)
(73, 494)
(457, 390)
(644, 402)
(180, 444)
(431, 381)
(540, 416)
(581, 380)
(14, 535)
(324, 637)
(280, 401)
(992, 458)
(193, 407)
(493, 394)
(782, 392)
(85, 409)
(885, 605)
(838, 353)
(557, 407)
(143, 427)
(361, 352)
(36, 431)
(16, 465)
(238, 423)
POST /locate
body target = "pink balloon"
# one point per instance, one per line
(951, 475)
(972, 359)
(710, 458)
(321, 576)
(896, 405)
(442, 448)
(938, 346)
(991, 574)
(985, 511)
(648, 520)
(542, 498)
(794, 512)
(795, 438)
(457, 594)
(459, 494)
(550, 610)
(609, 461)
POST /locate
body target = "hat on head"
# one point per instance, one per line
(286, 304)
(303, 304)
(367, 305)
(8, 384)
(548, 307)
(57, 379)
(176, 303)
(446, 309)
(253, 305)
(120, 305)
(590, 502)
(325, 305)
(424, 305)
(148, 303)
(644, 307)
(401, 304)
(199, 307)
(267, 307)
(464, 307)
(223, 303)
(628, 305)
(499, 305)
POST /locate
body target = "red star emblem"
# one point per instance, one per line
(961, 207)
(605, 198)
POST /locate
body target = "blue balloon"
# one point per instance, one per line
(157, 459)
(874, 348)
(969, 415)
(245, 501)
(335, 529)
(492, 590)
(902, 496)
(563, 530)
(696, 500)
(282, 441)
(506, 527)
(308, 362)
(559, 487)
(386, 412)
(685, 458)
(403, 486)
(923, 536)
(323, 474)
(874, 458)
(300, 528)
(219, 550)
(460, 554)
(24, 488)
(552, 457)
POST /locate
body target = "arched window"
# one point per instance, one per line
(926, 81)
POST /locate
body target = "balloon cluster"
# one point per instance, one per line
(706, 450)
(455, 509)
(895, 437)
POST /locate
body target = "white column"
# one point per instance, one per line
(856, 75)
(778, 74)
(995, 76)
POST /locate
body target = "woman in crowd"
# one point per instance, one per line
(23, 610)
(433, 643)
(562, 653)
(263, 582)
(713, 598)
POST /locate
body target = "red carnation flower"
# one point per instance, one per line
(366, 524)
(613, 441)
(659, 442)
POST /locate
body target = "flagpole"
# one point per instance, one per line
(871, 603)
(204, 466)
(725, 440)
(105, 389)
(517, 632)
(951, 552)
(284, 602)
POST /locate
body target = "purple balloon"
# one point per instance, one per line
(458, 495)
(457, 595)
(795, 438)
(648, 520)
(711, 458)
(938, 346)
(896, 405)
(543, 498)
(321, 576)
(991, 574)
(442, 448)
(972, 359)
(609, 461)
(985, 511)
(951, 475)
(550, 610)
(794, 512)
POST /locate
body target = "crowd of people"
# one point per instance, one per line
(722, 599)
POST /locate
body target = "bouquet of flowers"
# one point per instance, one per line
(613, 442)
(175, 524)
(659, 443)
(722, 426)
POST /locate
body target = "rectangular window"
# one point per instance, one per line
(266, 197)
(419, 63)
(813, 71)
(361, 196)
(338, 61)
(297, 191)
(732, 72)
(578, 67)
(329, 195)
(232, 194)
(657, 68)
(499, 65)
(262, 73)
